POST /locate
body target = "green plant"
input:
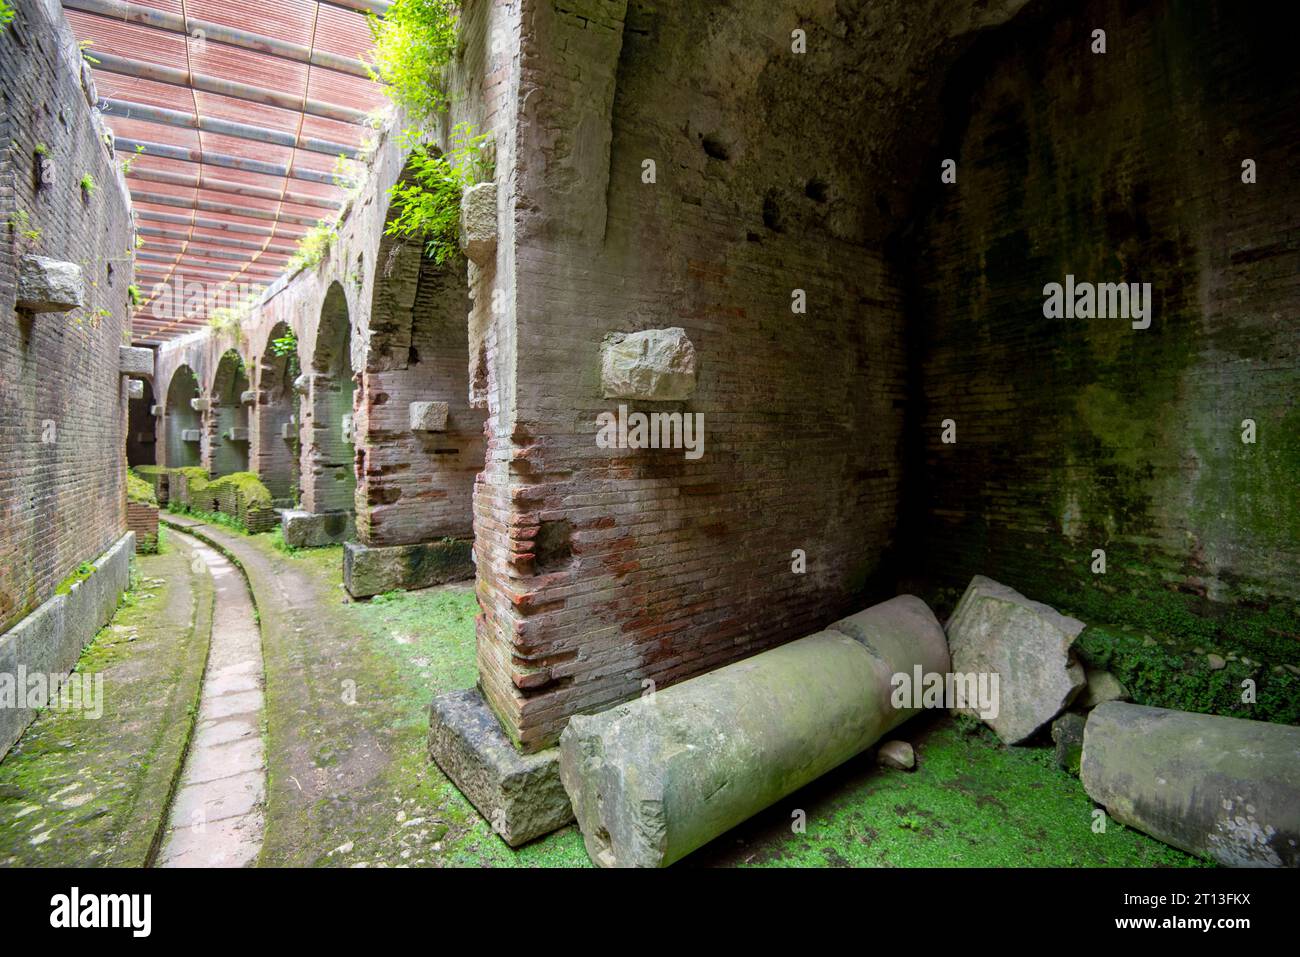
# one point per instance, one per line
(414, 40)
(41, 148)
(427, 203)
(313, 246)
(21, 223)
(127, 163)
(6, 14)
(287, 346)
(135, 295)
(88, 185)
(85, 45)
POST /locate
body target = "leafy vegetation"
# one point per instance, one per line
(21, 223)
(88, 185)
(6, 14)
(427, 203)
(313, 247)
(414, 40)
(287, 346)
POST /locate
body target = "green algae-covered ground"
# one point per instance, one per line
(969, 803)
(350, 783)
(83, 791)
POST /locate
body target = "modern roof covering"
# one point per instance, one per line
(233, 114)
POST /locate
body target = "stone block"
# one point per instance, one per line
(191, 435)
(1102, 687)
(313, 529)
(237, 433)
(288, 430)
(654, 364)
(155, 410)
(201, 404)
(1223, 788)
(520, 795)
(249, 397)
(134, 361)
(134, 389)
(49, 285)
(429, 416)
(372, 571)
(345, 428)
(478, 223)
(997, 630)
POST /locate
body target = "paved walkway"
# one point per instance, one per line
(217, 814)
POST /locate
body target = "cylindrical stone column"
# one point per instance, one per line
(654, 779)
(1224, 788)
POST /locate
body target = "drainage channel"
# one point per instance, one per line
(216, 818)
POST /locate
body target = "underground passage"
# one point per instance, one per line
(608, 433)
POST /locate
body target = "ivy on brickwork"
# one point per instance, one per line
(6, 14)
(427, 204)
(414, 41)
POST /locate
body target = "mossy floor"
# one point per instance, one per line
(969, 803)
(78, 790)
(350, 783)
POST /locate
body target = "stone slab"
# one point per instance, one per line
(429, 416)
(49, 285)
(371, 571)
(135, 361)
(520, 795)
(313, 529)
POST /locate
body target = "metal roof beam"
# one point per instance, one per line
(186, 155)
(127, 110)
(208, 206)
(124, 66)
(219, 33)
(225, 186)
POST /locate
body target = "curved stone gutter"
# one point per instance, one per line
(216, 817)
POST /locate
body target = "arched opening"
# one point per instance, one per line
(275, 422)
(141, 435)
(421, 444)
(182, 425)
(230, 394)
(331, 486)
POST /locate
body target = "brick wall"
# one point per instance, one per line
(62, 402)
(1074, 435)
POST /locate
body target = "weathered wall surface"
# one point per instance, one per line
(1074, 435)
(775, 171)
(62, 401)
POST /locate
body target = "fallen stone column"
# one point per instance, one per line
(1223, 788)
(654, 779)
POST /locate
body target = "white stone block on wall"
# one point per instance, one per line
(654, 364)
(429, 416)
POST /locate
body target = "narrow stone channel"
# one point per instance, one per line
(216, 818)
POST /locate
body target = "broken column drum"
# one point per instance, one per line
(654, 779)
(1224, 788)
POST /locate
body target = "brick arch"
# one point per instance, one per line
(329, 476)
(180, 418)
(274, 443)
(229, 414)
